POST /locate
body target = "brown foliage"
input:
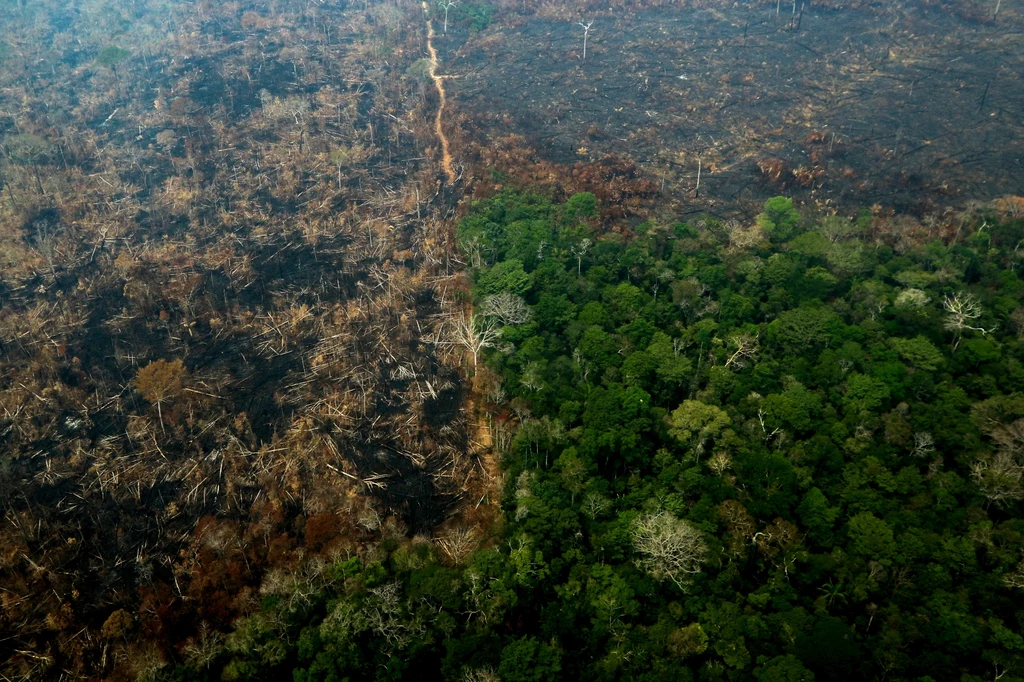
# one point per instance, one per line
(118, 624)
(321, 529)
(772, 170)
(740, 525)
(161, 380)
(251, 20)
(1010, 207)
(618, 184)
(778, 537)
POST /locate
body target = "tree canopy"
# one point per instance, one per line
(764, 462)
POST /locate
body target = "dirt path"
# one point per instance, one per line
(446, 156)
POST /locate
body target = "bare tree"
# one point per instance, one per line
(579, 251)
(388, 616)
(911, 298)
(201, 650)
(586, 34)
(961, 310)
(458, 543)
(480, 675)
(1015, 578)
(744, 236)
(295, 588)
(446, 5)
(719, 462)
(595, 505)
(924, 444)
(745, 347)
(1010, 437)
(671, 547)
(999, 477)
(507, 308)
(469, 331)
(837, 228)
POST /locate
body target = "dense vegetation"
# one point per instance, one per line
(781, 451)
(252, 428)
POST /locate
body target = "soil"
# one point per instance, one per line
(910, 108)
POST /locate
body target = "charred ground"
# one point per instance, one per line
(229, 288)
(909, 107)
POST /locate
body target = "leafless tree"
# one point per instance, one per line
(766, 435)
(480, 675)
(719, 462)
(837, 228)
(924, 444)
(670, 547)
(743, 236)
(203, 649)
(579, 251)
(446, 5)
(1015, 578)
(389, 618)
(507, 308)
(595, 505)
(962, 310)
(295, 588)
(999, 477)
(586, 34)
(1009, 437)
(911, 298)
(457, 543)
(469, 331)
(744, 347)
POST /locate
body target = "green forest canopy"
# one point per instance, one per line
(786, 451)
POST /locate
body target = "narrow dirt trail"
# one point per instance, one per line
(446, 156)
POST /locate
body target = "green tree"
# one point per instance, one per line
(864, 392)
(919, 352)
(786, 668)
(506, 276)
(871, 537)
(580, 205)
(112, 55)
(817, 516)
(528, 660)
(804, 328)
(779, 218)
(694, 423)
(796, 407)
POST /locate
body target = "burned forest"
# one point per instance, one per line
(906, 107)
(490, 340)
(227, 288)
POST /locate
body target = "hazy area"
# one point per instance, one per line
(909, 107)
(511, 340)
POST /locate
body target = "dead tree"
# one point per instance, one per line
(586, 34)
(962, 310)
(506, 308)
(468, 331)
(745, 347)
(446, 5)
